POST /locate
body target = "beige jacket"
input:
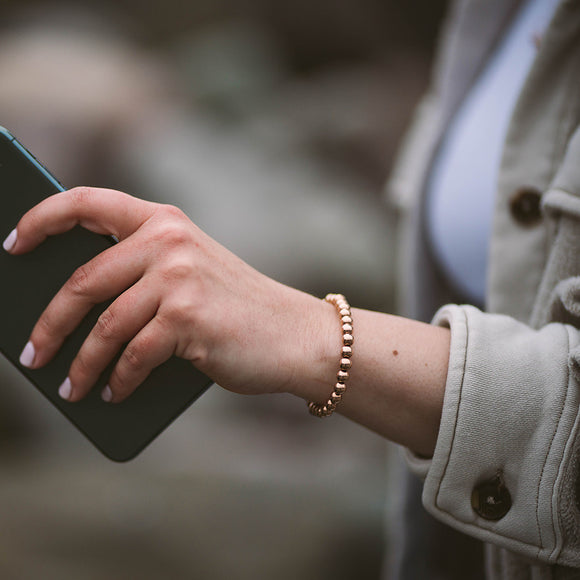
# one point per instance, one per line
(506, 468)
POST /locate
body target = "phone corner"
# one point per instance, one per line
(6, 134)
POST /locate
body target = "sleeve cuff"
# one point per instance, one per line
(510, 411)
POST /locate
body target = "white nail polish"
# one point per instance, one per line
(65, 389)
(107, 394)
(27, 355)
(10, 241)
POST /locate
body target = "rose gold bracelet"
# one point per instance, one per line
(343, 308)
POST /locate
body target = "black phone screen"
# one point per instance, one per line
(30, 281)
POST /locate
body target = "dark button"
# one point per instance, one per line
(491, 499)
(525, 206)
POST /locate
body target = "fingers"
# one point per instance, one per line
(153, 237)
(102, 211)
(106, 275)
(116, 326)
(154, 344)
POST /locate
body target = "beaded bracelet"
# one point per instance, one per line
(343, 308)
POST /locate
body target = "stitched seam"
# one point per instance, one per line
(456, 412)
(561, 467)
(561, 138)
(555, 432)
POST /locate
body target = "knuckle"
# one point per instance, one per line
(173, 235)
(173, 228)
(165, 319)
(177, 270)
(175, 314)
(196, 353)
(106, 327)
(128, 372)
(79, 283)
(172, 212)
(79, 195)
(133, 358)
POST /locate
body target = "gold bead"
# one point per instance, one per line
(345, 364)
(342, 306)
(346, 351)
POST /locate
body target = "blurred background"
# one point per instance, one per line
(273, 126)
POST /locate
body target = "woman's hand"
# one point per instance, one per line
(179, 293)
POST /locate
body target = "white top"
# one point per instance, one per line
(462, 184)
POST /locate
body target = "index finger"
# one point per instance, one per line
(103, 211)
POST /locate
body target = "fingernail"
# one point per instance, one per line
(65, 389)
(10, 241)
(27, 355)
(107, 394)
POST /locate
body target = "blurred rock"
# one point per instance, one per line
(230, 70)
(67, 94)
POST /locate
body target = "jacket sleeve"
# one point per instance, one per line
(508, 434)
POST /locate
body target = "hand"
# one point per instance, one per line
(178, 293)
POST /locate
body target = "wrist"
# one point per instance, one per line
(342, 308)
(317, 358)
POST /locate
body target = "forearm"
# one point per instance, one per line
(180, 293)
(397, 380)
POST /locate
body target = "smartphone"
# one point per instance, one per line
(120, 431)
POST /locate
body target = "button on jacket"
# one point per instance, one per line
(506, 468)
